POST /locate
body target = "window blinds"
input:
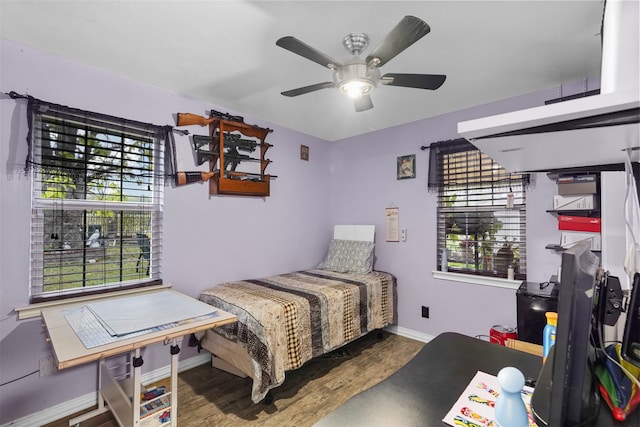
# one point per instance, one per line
(481, 214)
(97, 196)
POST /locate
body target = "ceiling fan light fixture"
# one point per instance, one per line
(355, 79)
(359, 77)
(356, 88)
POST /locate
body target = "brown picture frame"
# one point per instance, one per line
(304, 152)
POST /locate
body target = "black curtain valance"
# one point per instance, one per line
(162, 133)
(437, 152)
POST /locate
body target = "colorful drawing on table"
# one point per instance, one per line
(489, 390)
(463, 422)
(467, 412)
(480, 400)
(476, 405)
(527, 393)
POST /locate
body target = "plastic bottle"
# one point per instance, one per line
(510, 408)
(549, 333)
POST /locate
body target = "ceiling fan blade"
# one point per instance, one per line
(408, 31)
(307, 89)
(419, 81)
(298, 47)
(363, 103)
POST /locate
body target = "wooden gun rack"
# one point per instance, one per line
(234, 182)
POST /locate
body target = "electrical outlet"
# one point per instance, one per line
(48, 366)
(425, 312)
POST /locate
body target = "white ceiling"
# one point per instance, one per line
(224, 52)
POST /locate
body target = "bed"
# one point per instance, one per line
(288, 319)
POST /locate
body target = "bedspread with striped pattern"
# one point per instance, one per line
(286, 320)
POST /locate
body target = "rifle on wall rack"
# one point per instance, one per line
(189, 177)
(206, 156)
(233, 143)
(236, 141)
(245, 175)
(233, 158)
(230, 140)
(226, 116)
(188, 119)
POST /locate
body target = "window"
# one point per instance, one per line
(481, 212)
(97, 196)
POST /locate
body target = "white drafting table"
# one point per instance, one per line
(123, 397)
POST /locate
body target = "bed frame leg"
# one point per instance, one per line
(268, 399)
(380, 335)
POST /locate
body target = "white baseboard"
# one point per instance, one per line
(91, 399)
(409, 333)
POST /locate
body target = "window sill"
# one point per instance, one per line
(495, 282)
(34, 310)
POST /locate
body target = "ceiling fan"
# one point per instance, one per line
(357, 78)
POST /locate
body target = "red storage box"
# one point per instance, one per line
(579, 223)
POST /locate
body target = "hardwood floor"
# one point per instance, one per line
(210, 397)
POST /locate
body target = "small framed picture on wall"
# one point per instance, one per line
(304, 152)
(407, 166)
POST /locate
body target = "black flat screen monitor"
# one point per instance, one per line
(565, 391)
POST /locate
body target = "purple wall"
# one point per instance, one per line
(364, 185)
(208, 240)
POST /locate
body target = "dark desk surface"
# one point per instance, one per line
(421, 393)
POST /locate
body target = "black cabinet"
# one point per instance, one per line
(533, 301)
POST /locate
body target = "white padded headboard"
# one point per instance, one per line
(354, 232)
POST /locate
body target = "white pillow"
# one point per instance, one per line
(349, 256)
